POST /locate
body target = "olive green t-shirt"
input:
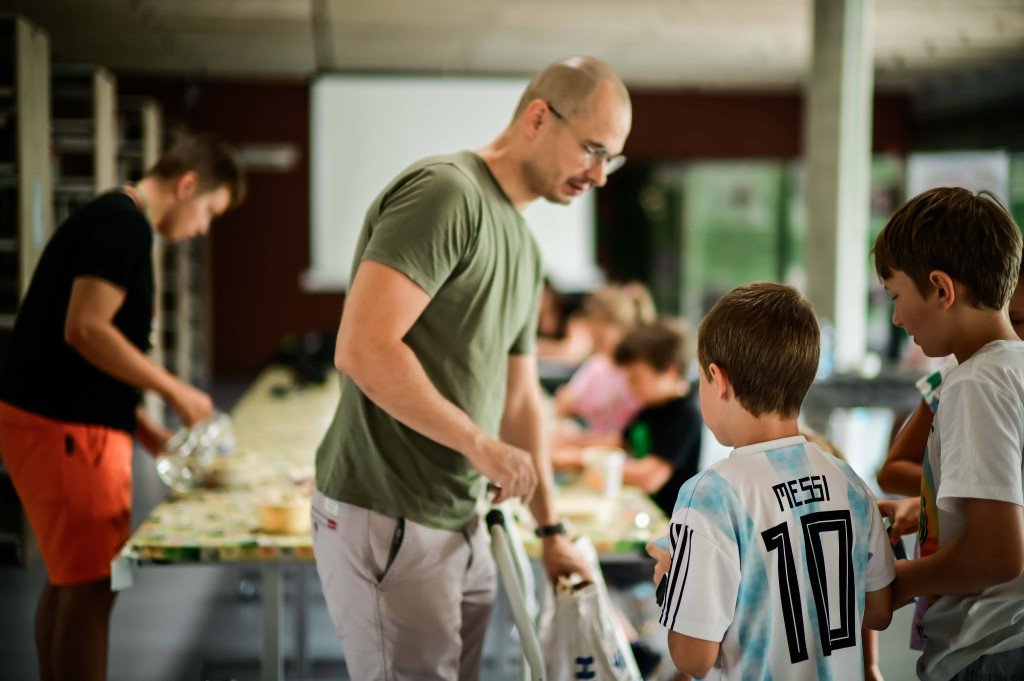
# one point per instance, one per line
(446, 224)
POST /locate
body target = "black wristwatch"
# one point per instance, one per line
(551, 530)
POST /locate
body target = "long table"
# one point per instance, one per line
(280, 435)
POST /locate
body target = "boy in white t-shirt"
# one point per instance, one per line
(778, 553)
(950, 258)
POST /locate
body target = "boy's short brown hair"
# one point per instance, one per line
(765, 337)
(211, 158)
(662, 345)
(968, 235)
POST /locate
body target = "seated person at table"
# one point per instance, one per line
(597, 394)
(754, 537)
(663, 439)
(563, 335)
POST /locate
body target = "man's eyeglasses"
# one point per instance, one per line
(592, 156)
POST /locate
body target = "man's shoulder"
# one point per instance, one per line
(456, 172)
(111, 216)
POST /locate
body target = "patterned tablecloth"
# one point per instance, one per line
(279, 436)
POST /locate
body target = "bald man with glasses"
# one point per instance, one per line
(440, 391)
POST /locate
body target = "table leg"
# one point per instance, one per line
(301, 632)
(272, 662)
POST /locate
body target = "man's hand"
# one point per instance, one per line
(904, 514)
(561, 559)
(510, 468)
(151, 436)
(191, 404)
(664, 558)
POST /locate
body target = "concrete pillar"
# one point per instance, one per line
(838, 152)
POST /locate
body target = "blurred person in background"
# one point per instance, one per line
(71, 385)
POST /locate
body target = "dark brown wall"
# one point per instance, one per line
(700, 125)
(260, 250)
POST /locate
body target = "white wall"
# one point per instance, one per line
(366, 129)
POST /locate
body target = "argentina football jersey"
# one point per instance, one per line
(773, 550)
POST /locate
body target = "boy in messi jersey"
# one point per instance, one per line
(778, 553)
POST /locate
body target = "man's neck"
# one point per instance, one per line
(158, 198)
(507, 170)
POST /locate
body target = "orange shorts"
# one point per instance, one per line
(75, 483)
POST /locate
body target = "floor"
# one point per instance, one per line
(203, 623)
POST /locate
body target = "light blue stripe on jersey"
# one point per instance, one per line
(791, 463)
(859, 510)
(719, 503)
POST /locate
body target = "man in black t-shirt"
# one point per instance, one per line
(71, 383)
(663, 440)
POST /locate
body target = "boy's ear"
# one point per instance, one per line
(721, 387)
(943, 288)
(186, 186)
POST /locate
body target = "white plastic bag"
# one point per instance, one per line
(580, 632)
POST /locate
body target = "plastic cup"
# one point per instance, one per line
(602, 470)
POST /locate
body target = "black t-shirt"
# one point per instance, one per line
(109, 238)
(670, 431)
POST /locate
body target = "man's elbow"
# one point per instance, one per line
(77, 334)
(362, 360)
(342, 360)
(349, 357)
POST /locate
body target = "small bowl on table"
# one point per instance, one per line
(283, 514)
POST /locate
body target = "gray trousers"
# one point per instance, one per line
(1006, 666)
(408, 602)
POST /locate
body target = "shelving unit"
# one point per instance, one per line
(26, 218)
(139, 144)
(185, 311)
(84, 136)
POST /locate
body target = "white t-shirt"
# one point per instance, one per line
(975, 450)
(773, 550)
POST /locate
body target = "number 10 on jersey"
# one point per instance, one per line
(820, 571)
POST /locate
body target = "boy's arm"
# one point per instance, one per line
(901, 472)
(872, 672)
(703, 581)
(990, 552)
(878, 609)
(674, 445)
(905, 516)
(693, 656)
(649, 473)
(587, 438)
